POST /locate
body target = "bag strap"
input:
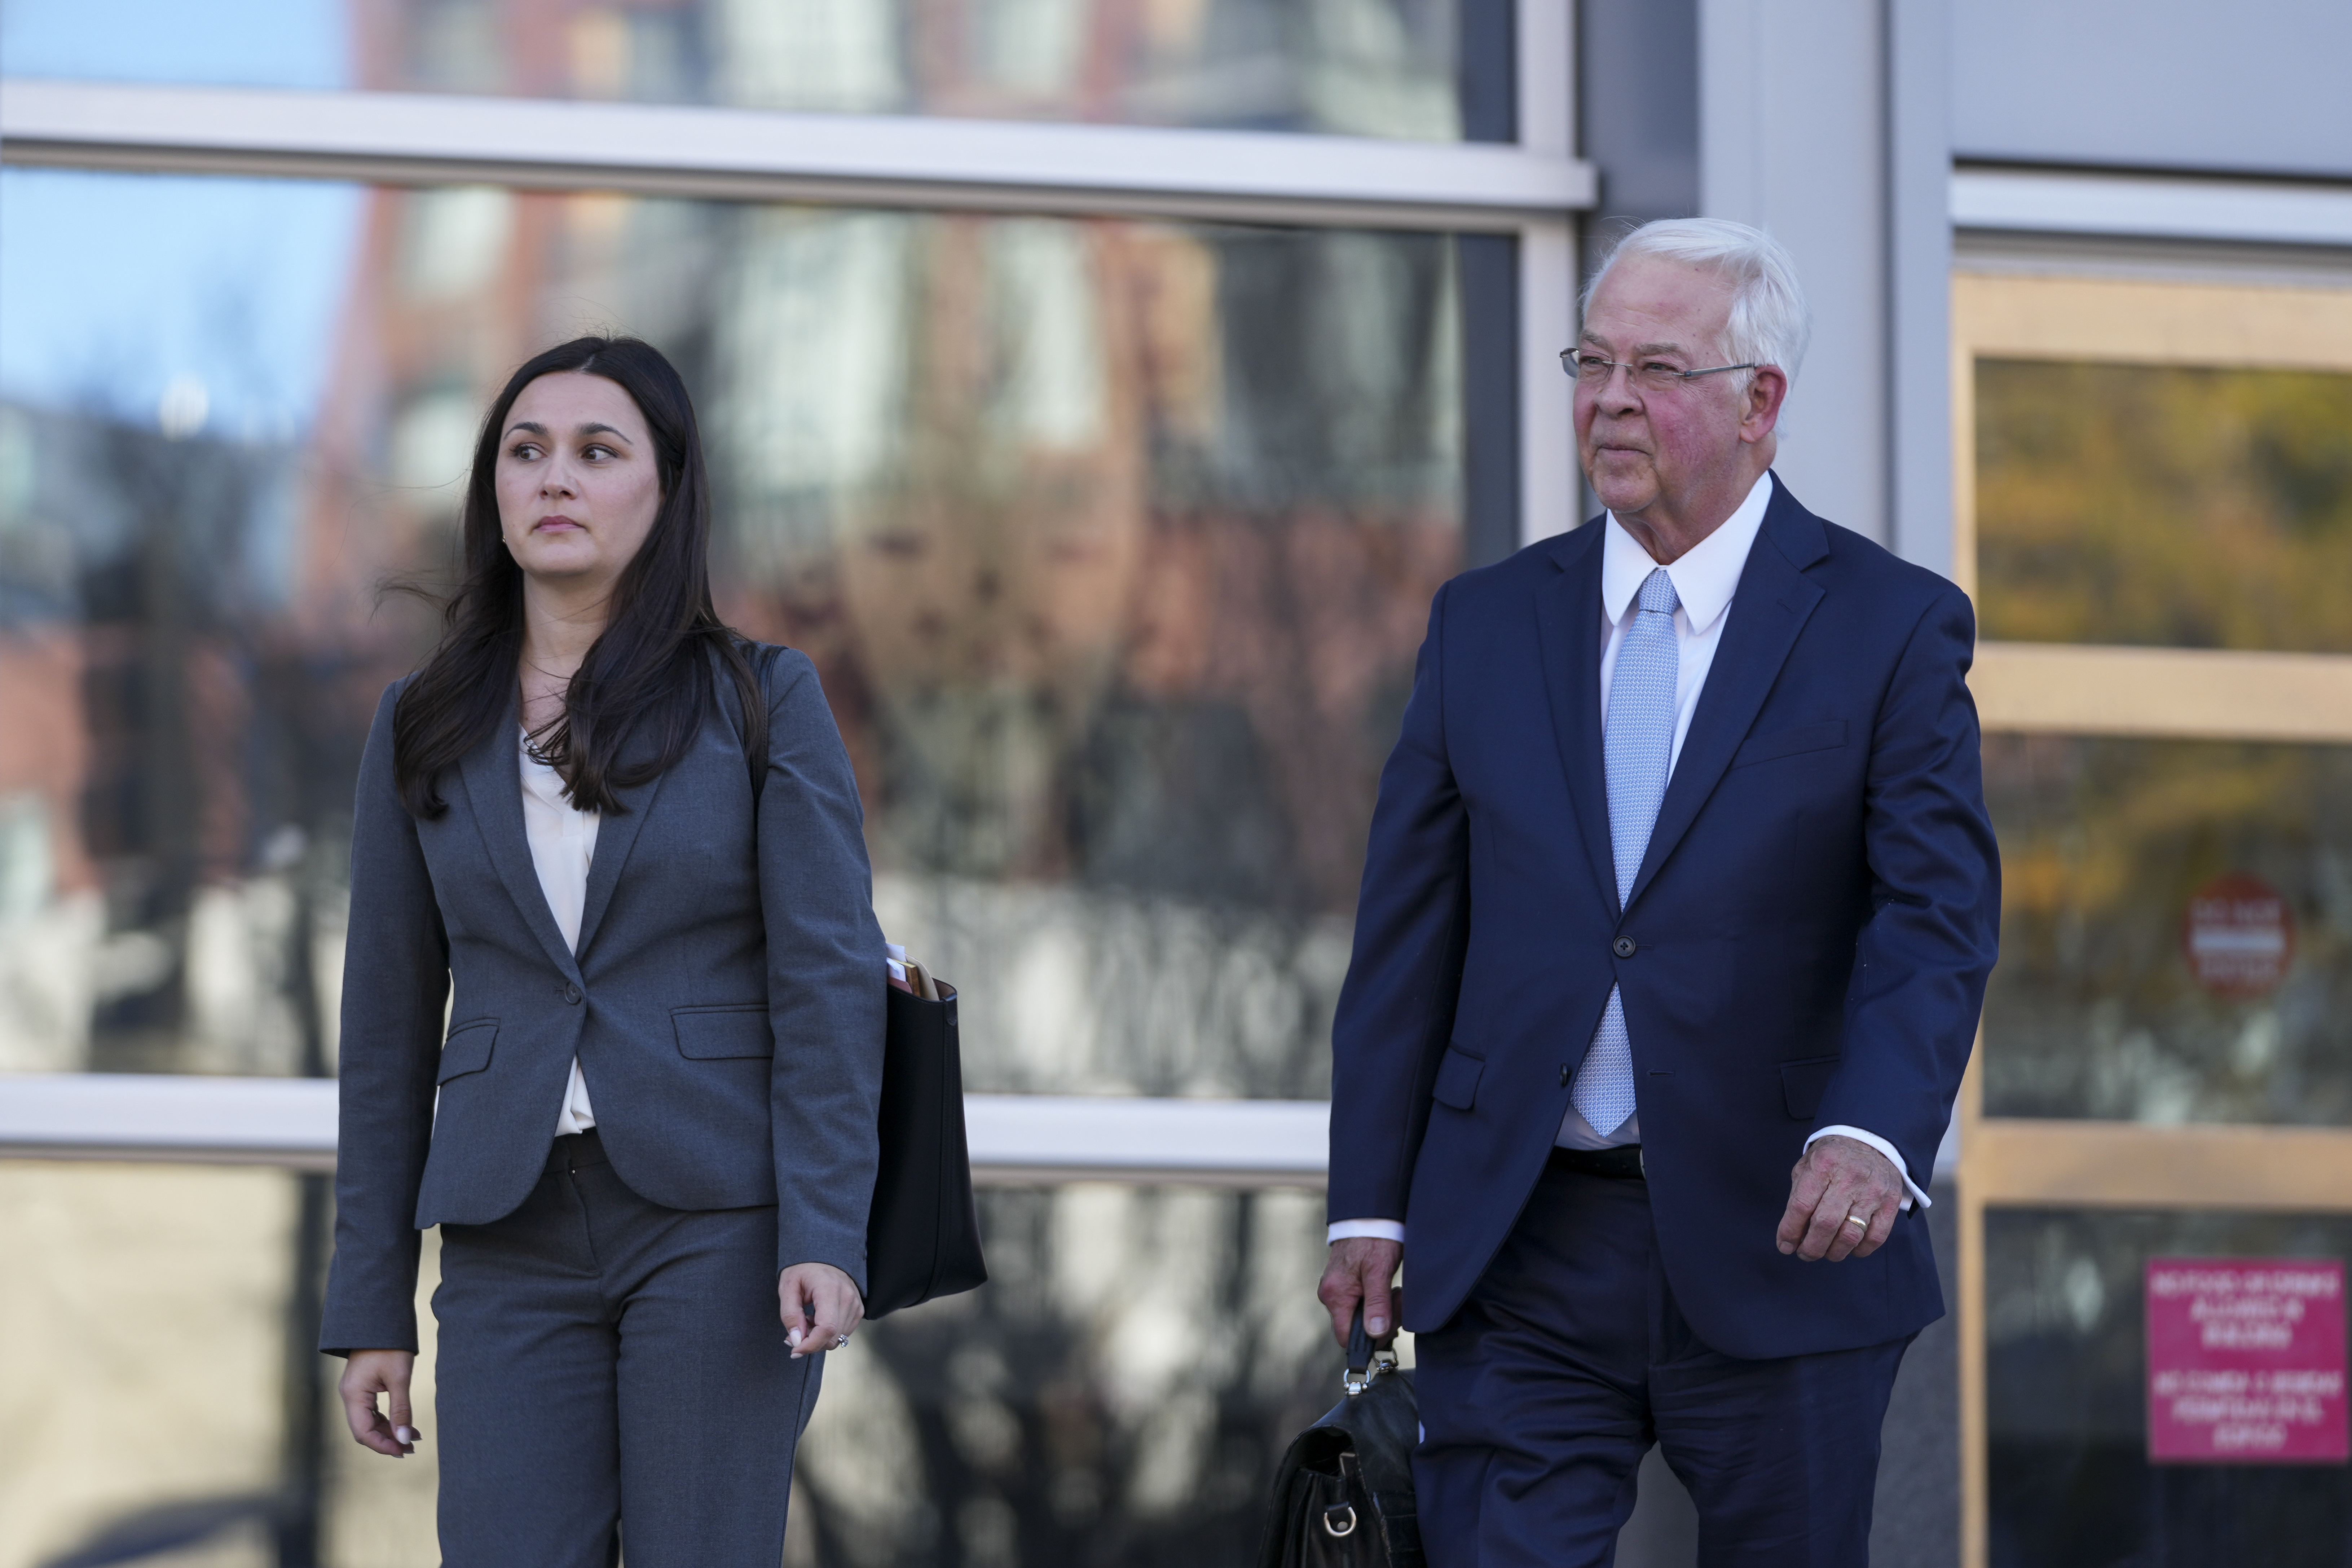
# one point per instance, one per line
(763, 661)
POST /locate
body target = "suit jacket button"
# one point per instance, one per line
(571, 994)
(1624, 947)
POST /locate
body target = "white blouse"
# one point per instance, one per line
(563, 844)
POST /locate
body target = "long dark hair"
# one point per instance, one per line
(650, 666)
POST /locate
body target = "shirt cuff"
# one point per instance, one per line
(1919, 1194)
(1382, 1229)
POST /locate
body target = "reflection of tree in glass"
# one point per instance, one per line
(2093, 1011)
(2164, 505)
(185, 727)
(1117, 1394)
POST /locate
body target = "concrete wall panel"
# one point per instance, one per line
(1792, 137)
(2252, 86)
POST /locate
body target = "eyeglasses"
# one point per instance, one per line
(1650, 375)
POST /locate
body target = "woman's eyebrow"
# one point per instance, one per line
(532, 428)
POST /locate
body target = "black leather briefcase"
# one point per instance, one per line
(1343, 1494)
(922, 1237)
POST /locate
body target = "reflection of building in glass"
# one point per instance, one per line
(1113, 536)
(1113, 542)
(187, 751)
(1375, 67)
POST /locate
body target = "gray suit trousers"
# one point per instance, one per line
(611, 1368)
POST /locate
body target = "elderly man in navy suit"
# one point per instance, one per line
(1680, 878)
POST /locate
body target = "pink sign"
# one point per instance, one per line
(2239, 936)
(2245, 1361)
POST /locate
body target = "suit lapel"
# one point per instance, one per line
(616, 832)
(1774, 601)
(1567, 622)
(492, 774)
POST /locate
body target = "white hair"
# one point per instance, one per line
(1770, 322)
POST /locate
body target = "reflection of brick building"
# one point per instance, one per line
(1105, 588)
(1379, 69)
(177, 725)
(51, 913)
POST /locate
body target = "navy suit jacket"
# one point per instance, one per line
(726, 1001)
(1809, 930)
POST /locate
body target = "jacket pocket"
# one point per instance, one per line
(712, 1034)
(468, 1050)
(1457, 1078)
(1804, 1081)
(1790, 743)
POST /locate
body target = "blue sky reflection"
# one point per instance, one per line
(220, 43)
(115, 287)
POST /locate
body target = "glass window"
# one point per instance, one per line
(1365, 68)
(1113, 542)
(2175, 935)
(2164, 505)
(2066, 1392)
(144, 1322)
(1118, 1393)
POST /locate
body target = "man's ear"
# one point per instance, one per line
(1760, 413)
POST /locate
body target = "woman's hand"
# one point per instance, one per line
(368, 1374)
(821, 1307)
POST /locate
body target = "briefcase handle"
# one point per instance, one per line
(1364, 1364)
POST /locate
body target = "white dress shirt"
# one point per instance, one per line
(1705, 577)
(562, 845)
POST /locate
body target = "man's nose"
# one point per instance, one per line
(1616, 393)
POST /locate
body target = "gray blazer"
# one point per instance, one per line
(725, 1008)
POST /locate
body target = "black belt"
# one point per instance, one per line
(576, 1152)
(1622, 1162)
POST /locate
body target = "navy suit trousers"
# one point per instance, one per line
(1570, 1358)
(607, 1368)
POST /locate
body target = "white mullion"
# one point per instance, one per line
(2153, 207)
(1549, 492)
(1544, 42)
(891, 160)
(1015, 1139)
(1549, 496)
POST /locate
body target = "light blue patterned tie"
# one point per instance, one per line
(1637, 752)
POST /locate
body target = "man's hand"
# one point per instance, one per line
(1843, 1197)
(820, 1306)
(1360, 1270)
(367, 1374)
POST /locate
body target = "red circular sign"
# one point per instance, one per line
(2239, 936)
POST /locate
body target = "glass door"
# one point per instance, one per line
(2155, 512)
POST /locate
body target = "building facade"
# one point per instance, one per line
(1097, 390)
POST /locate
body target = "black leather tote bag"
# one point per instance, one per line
(1343, 1494)
(922, 1235)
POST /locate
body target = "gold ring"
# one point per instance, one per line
(1857, 1219)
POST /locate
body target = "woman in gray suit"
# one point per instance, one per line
(647, 1129)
